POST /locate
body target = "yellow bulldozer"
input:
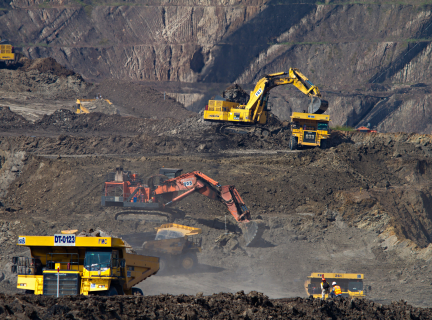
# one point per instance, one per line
(70, 264)
(311, 127)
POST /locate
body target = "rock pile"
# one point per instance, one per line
(235, 93)
(254, 305)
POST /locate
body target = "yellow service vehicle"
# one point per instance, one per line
(175, 246)
(309, 129)
(255, 112)
(81, 105)
(7, 53)
(66, 264)
(351, 284)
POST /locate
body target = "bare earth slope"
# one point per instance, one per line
(338, 45)
(361, 206)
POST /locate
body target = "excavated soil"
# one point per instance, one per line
(67, 121)
(235, 93)
(253, 305)
(36, 87)
(139, 100)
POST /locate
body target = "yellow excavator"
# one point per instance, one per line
(255, 112)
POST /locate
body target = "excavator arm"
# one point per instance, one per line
(259, 96)
(198, 182)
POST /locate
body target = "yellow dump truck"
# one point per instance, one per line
(175, 246)
(351, 284)
(308, 129)
(66, 264)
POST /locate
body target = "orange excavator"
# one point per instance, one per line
(126, 189)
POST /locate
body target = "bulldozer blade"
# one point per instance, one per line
(249, 230)
(318, 106)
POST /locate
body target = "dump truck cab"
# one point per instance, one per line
(351, 284)
(309, 129)
(66, 264)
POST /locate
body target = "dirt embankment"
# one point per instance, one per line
(64, 121)
(139, 100)
(36, 87)
(253, 305)
(42, 77)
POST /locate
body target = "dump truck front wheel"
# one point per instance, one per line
(189, 261)
(323, 144)
(293, 143)
(112, 291)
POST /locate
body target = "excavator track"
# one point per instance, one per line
(228, 130)
(142, 215)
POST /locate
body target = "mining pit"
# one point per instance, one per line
(360, 206)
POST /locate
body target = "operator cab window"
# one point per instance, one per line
(355, 286)
(323, 126)
(96, 260)
(168, 234)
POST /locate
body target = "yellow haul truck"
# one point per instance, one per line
(309, 129)
(351, 284)
(65, 264)
(175, 246)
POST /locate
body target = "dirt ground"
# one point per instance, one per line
(305, 202)
(360, 206)
(34, 88)
(253, 305)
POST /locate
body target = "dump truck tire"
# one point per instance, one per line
(137, 292)
(112, 291)
(323, 144)
(189, 261)
(293, 143)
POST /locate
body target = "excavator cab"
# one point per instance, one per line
(170, 172)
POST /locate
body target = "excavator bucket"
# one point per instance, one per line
(318, 106)
(249, 230)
